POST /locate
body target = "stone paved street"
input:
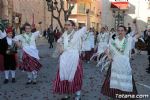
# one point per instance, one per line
(92, 81)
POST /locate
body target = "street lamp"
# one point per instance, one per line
(51, 8)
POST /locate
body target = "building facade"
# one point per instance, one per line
(32, 11)
(122, 12)
(6, 11)
(35, 11)
(79, 13)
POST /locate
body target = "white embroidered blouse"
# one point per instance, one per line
(28, 43)
(69, 59)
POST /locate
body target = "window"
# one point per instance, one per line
(81, 8)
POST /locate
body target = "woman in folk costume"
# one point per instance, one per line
(30, 57)
(119, 78)
(70, 72)
(2, 35)
(8, 50)
(103, 40)
(133, 34)
(86, 46)
(92, 41)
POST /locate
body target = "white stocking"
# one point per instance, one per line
(13, 73)
(6, 74)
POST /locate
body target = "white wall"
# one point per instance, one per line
(106, 14)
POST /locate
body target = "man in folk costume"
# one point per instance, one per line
(70, 72)
(119, 78)
(30, 55)
(8, 50)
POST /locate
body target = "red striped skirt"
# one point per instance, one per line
(1, 63)
(29, 63)
(65, 86)
(111, 92)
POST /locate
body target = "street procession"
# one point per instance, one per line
(74, 50)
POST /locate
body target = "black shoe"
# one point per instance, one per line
(77, 97)
(34, 82)
(65, 98)
(132, 51)
(13, 80)
(148, 68)
(148, 71)
(29, 82)
(6, 81)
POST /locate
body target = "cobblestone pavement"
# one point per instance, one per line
(92, 81)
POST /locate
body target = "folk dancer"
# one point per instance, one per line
(30, 57)
(133, 33)
(103, 40)
(86, 46)
(70, 73)
(119, 78)
(8, 50)
(92, 41)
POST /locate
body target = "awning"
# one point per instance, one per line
(120, 5)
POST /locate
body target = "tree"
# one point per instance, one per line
(59, 8)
